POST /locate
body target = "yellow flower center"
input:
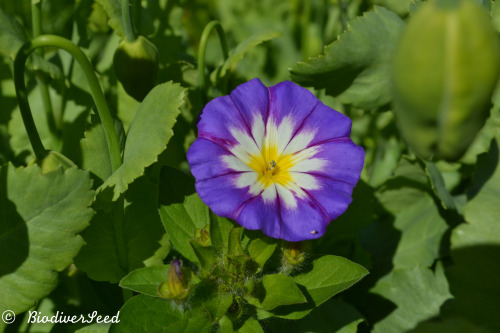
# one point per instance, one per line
(272, 168)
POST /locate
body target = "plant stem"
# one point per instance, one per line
(201, 53)
(36, 20)
(95, 89)
(127, 21)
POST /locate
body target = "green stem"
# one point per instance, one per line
(95, 89)
(36, 20)
(127, 21)
(121, 247)
(201, 53)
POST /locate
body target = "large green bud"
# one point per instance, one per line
(445, 69)
(136, 66)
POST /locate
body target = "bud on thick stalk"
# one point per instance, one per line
(136, 66)
(445, 69)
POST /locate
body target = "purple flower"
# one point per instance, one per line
(275, 159)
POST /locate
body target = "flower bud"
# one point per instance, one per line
(294, 254)
(445, 69)
(136, 66)
(176, 287)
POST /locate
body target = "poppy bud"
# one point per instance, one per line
(136, 66)
(445, 69)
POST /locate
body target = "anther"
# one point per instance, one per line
(272, 165)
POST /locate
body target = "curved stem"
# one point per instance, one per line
(127, 21)
(36, 20)
(201, 52)
(95, 89)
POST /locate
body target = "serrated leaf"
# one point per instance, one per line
(12, 37)
(422, 229)
(475, 247)
(142, 231)
(148, 135)
(356, 67)
(418, 294)
(260, 250)
(113, 9)
(280, 290)
(147, 314)
(146, 280)
(181, 210)
(239, 51)
(43, 213)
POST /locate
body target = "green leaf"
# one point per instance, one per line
(410, 183)
(219, 232)
(333, 316)
(12, 35)
(475, 247)
(147, 314)
(401, 7)
(148, 135)
(280, 290)
(449, 325)
(234, 248)
(41, 215)
(422, 229)
(418, 294)
(356, 67)
(181, 210)
(142, 231)
(146, 280)
(239, 52)
(95, 153)
(439, 187)
(94, 328)
(218, 305)
(206, 256)
(329, 276)
(251, 325)
(260, 250)
(113, 9)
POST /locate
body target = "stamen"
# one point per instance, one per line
(272, 165)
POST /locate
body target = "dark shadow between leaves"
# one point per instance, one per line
(14, 241)
(474, 283)
(489, 161)
(174, 186)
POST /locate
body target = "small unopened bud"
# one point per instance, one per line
(203, 237)
(176, 287)
(294, 254)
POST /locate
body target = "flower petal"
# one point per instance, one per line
(222, 196)
(289, 106)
